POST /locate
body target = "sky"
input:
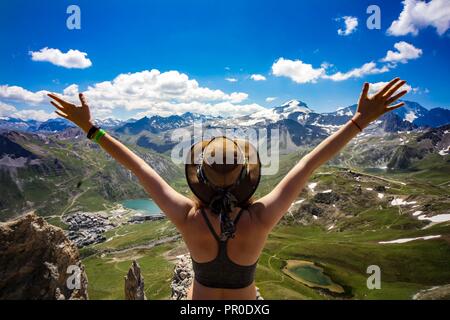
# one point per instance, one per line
(161, 57)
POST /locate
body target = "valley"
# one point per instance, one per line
(382, 201)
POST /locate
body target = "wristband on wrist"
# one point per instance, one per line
(357, 125)
(100, 133)
(92, 131)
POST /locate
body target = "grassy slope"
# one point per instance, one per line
(344, 252)
(406, 268)
(106, 273)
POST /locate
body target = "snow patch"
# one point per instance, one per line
(410, 116)
(401, 202)
(380, 195)
(444, 151)
(416, 213)
(437, 218)
(404, 240)
(312, 185)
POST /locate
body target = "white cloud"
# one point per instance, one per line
(20, 94)
(150, 92)
(224, 109)
(301, 72)
(405, 52)
(326, 65)
(351, 23)
(419, 90)
(6, 110)
(365, 69)
(257, 77)
(39, 115)
(296, 70)
(70, 59)
(231, 79)
(71, 90)
(270, 99)
(418, 15)
(375, 87)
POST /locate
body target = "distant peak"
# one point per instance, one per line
(294, 103)
(295, 106)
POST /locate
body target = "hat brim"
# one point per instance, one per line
(242, 191)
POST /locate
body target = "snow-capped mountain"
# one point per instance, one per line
(110, 122)
(411, 111)
(18, 124)
(55, 125)
(434, 118)
(157, 124)
(293, 109)
(51, 125)
(411, 116)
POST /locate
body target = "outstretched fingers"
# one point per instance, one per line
(62, 114)
(82, 99)
(387, 87)
(394, 89)
(58, 99)
(396, 106)
(365, 91)
(57, 106)
(396, 97)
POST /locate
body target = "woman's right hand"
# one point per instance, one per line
(371, 108)
(79, 115)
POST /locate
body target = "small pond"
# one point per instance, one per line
(311, 275)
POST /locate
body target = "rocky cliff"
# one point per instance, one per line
(39, 262)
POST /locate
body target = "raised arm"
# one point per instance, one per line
(173, 204)
(274, 205)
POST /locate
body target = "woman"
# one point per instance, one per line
(223, 229)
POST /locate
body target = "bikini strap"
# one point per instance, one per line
(236, 220)
(208, 223)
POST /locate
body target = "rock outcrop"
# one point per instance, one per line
(39, 262)
(183, 275)
(434, 293)
(134, 283)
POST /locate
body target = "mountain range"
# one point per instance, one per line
(382, 188)
(38, 158)
(411, 116)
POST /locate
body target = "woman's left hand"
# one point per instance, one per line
(371, 108)
(79, 115)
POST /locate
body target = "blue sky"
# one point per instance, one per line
(210, 41)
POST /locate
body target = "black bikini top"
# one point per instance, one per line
(222, 272)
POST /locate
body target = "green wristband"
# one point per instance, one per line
(100, 133)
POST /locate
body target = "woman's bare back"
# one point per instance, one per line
(244, 249)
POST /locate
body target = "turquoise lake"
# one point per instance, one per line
(144, 206)
(312, 274)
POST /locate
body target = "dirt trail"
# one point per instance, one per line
(149, 245)
(72, 202)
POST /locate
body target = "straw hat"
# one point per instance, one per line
(223, 166)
